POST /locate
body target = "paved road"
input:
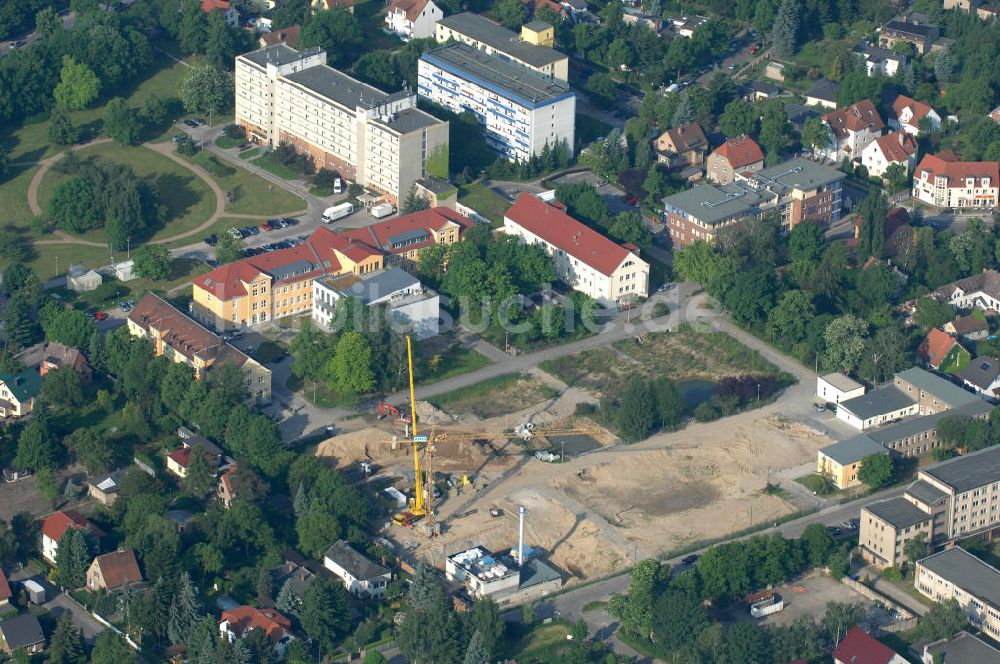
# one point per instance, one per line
(60, 603)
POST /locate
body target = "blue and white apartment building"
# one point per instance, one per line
(519, 109)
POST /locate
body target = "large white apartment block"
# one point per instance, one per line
(944, 181)
(586, 260)
(379, 140)
(520, 111)
(528, 49)
(957, 574)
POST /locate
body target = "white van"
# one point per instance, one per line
(338, 186)
(382, 210)
(336, 212)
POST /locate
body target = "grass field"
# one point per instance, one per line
(453, 361)
(17, 215)
(590, 129)
(252, 193)
(188, 199)
(46, 256)
(500, 395)
(249, 154)
(484, 201)
(270, 164)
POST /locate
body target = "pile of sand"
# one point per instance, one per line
(428, 413)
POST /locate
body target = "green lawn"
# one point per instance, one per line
(319, 394)
(454, 362)
(188, 199)
(225, 142)
(270, 164)
(252, 193)
(590, 129)
(14, 199)
(249, 154)
(535, 637)
(30, 142)
(484, 201)
(47, 256)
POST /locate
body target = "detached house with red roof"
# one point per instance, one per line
(280, 283)
(737, 155)
(853, 129)
(940, 350)
(895, 148)
(237, 623)
(55, 526)
(908, 114)
(113, 571)
(945, 181)
(228, 11)
(859, 647)
(412, 19)
(587, 261)
(5, 593)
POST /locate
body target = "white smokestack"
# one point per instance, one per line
(520, 535)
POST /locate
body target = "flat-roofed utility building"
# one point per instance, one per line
(379, 140)
(836, 387)
(527, 50)
(957, 574)
(520, 110)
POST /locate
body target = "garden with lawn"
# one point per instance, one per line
(251, 194)
(485, 201)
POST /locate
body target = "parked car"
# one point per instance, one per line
(265, 227)
(181, 138)
(198, 122)
(236, 233)
(820, 407)
(192, 124)
(251, 230)
(100, 315)
(212, 240)
(690, 560)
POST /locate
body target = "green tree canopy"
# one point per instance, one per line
(78, 85)
(335, 30)
(206, 90)
(876, 470)
(152, 261)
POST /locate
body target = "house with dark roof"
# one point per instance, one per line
(104, 487)
(180, 338)
(113, 571)
(946, 181)
(983, 375)
(842, 461)
(963, 648)
(22, 632)
(852, 129)
(55, 526)
(913, 30)
(940, 349)
(586, 260)
(980, 291)
(908, 114)
(823, 93)
(681, 146)
(879, 61)
(18, 392)
(362, 577)
(759, 91)
(859, 647)
(736, 155)
(957, 574)
(51, 355)
(885, 403)
(969, 328)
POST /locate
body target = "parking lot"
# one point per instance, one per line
(22, 496)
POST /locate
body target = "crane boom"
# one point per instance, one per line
(417, 507)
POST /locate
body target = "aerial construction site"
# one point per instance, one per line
(593, 503)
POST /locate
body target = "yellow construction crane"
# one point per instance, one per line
(416, 509)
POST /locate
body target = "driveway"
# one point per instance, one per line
(59, 603)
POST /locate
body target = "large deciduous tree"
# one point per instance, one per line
(78, 85)
(152, 261)
(335, 30)
(206, 89)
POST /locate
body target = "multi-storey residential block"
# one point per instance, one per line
(796, 190)
(532, 49)
(586, 260)
(382, 141)
(950, 500)
(945, 181)
(957, 574)
(521, 111)
(413, 19)
(182, 339)
(852, 129)
(280, 283)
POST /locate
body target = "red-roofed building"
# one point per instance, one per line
(737, 155)
(232, 16)
(586, 260)
(5, 593)
(895, 148)
(113, 571)
(940, 350)
(236, 623)
(279, 283)
(412, 19)
(861, 648)
(181, 338)
(944, 181)
(907, 114)
(288, 36)
(55, 526)
(853, 128)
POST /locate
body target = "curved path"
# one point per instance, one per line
(168, 151)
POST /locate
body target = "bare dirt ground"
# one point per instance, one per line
(594, 513)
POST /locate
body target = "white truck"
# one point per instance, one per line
(382, 210)
(547, 457)
(336, 212)
(766, 607)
